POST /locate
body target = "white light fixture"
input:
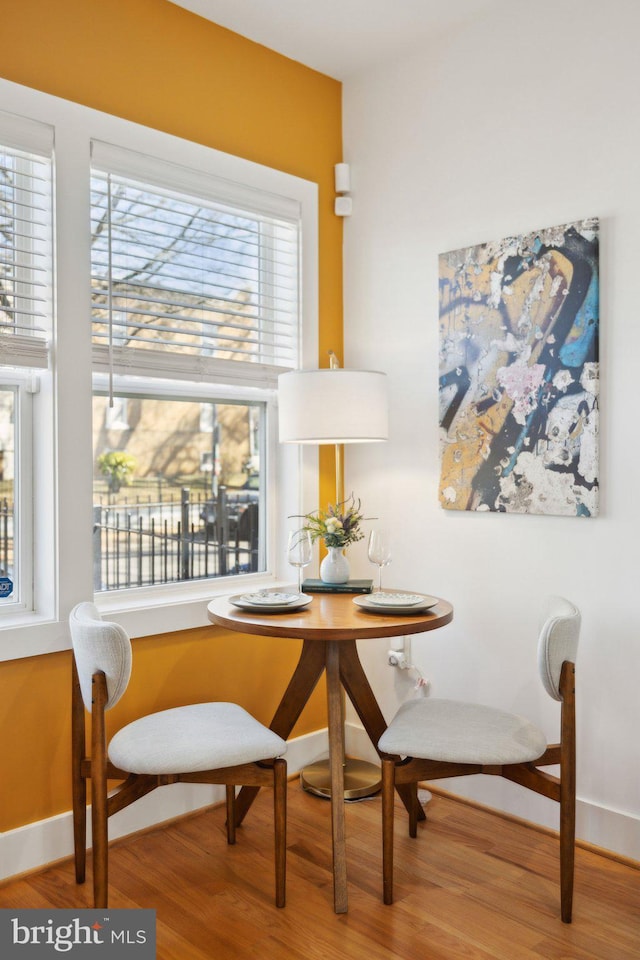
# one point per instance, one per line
(342, 177)
(333, 405)
(343, 206)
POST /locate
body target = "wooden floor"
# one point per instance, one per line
(471, 886)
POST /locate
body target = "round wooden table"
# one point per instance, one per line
(329, 627)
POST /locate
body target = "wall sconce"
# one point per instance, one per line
(342, 176)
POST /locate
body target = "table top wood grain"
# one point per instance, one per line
(329, 616)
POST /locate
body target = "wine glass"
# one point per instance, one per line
(379, 552)
(299, 551)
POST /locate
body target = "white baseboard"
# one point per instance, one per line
(38, 844)
(614, 830)
(357, 743)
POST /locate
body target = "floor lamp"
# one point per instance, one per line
(337, 406)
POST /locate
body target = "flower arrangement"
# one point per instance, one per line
(338, 525)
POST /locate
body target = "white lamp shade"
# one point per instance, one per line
(333, 405)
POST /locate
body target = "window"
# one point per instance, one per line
(8, 545)
(25, 322)
(181, 503)
(192, 329)
(188, 286)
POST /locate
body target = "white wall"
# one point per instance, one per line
(526, 118)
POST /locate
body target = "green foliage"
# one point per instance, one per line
(338, 525)
(118, 467)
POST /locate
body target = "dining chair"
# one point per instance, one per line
(217, 743)
(431, 738)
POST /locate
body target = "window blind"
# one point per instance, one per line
(183, 286)
(25, 256)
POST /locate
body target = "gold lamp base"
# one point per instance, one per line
(361, 779)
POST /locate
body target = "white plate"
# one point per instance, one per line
(270, 599)
(395, 599)
(395, 602)
(245, 602)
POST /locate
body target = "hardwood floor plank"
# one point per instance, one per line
(471, 886)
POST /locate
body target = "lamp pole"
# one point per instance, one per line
(335, 406)
(334, 365)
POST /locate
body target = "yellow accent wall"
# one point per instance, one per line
(159, 65)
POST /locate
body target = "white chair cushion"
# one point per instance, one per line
(459, 732)
(201, 736)
(99, 645)
(558, 641)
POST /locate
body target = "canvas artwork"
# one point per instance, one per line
(519, 373)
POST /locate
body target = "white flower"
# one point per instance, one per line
(333, 524)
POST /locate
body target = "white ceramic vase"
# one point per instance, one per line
(334, 568)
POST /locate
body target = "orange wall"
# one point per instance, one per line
(156, 64)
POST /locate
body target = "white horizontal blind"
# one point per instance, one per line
(186, 287)
(25, 256)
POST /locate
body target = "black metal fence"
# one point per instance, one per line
(187, 538)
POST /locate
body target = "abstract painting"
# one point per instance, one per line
(519, 373)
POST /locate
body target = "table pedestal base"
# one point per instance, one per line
(329, 630)
(361, 779)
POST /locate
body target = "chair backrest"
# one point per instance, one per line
(558, 641)
(99, 645)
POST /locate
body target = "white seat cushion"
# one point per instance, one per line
(201, 736)
(459, 732)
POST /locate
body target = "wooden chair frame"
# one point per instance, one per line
(100, 770)
(409, 771)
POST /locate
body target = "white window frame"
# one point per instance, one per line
(21, 600)
(25, 367)
(291, 472)
(35, 527)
